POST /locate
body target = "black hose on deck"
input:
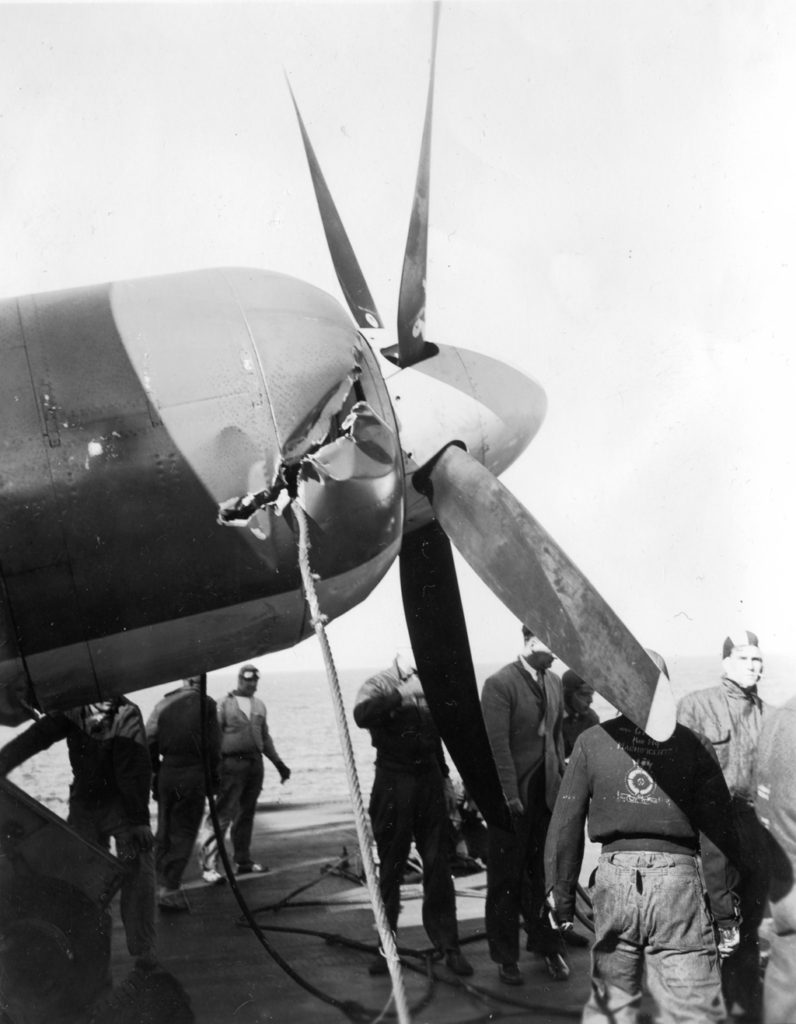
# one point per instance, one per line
(353, 1010)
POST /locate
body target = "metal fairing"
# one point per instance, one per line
(467, 397)
(129, 413)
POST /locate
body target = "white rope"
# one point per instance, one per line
(361, 819)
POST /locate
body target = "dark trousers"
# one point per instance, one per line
(740, 973)
(181, 802)
(137, 898)
(241, 782)
(515, 882)
(403, 807)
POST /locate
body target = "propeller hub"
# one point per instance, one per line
(489, 407)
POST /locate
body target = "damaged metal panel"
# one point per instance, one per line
(260, 354)
(364, 451)
(351, 489)
(294, 325)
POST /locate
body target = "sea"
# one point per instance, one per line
(303, 726)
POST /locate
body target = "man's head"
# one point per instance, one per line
(578, 694)
(196, 681)
(248, 677)
(535, 651)
(100, 714)
(743, 661)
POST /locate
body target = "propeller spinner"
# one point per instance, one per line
(492, 411)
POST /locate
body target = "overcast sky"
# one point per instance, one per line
(612, 211)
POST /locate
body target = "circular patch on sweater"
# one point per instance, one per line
(639, 782)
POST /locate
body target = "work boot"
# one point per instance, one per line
(458, 963)
(172, 900)
(557, 966)
(509, 974)
(251, 868)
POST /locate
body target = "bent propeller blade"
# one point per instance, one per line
(352, 280)
(522, 564)
(412, 345)
(438, 633)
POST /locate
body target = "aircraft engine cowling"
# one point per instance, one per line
(132, 412)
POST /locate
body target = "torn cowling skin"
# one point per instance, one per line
(351, 488)
(311, 432)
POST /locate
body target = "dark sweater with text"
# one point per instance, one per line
(639, 794)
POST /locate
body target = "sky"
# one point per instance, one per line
(612, 212)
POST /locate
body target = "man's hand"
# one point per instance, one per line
(132, 841)
(729, 940)
(555, 921)
(515, 807)
(410, 689)
(284, 771)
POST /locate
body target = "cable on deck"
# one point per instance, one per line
(361, 819)
(353, 1010)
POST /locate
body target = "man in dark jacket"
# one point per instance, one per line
(578, 713)
(655, 904)
(731, 716)
(174, 733)
(776, 806)
(411, 798)
(108, 797)
(522, 705)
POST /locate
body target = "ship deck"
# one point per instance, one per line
(325, 933)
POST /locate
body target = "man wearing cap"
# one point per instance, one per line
(411, 799)
(522, 705)
(730, 716)
(244, 741)
(175, 734)
(655, 808)
(578, 713)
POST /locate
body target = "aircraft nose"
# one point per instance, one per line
(459, 395)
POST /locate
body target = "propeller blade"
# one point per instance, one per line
(437, 630)
(352, 281)
(412, 345)
(522, 564)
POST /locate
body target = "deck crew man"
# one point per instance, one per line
(522, 705)
(108, 797)
(244, 740)
(730, 715)
(647, 803)
(174, 733)
(776, 806)
(412, 797)
(578, 713)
